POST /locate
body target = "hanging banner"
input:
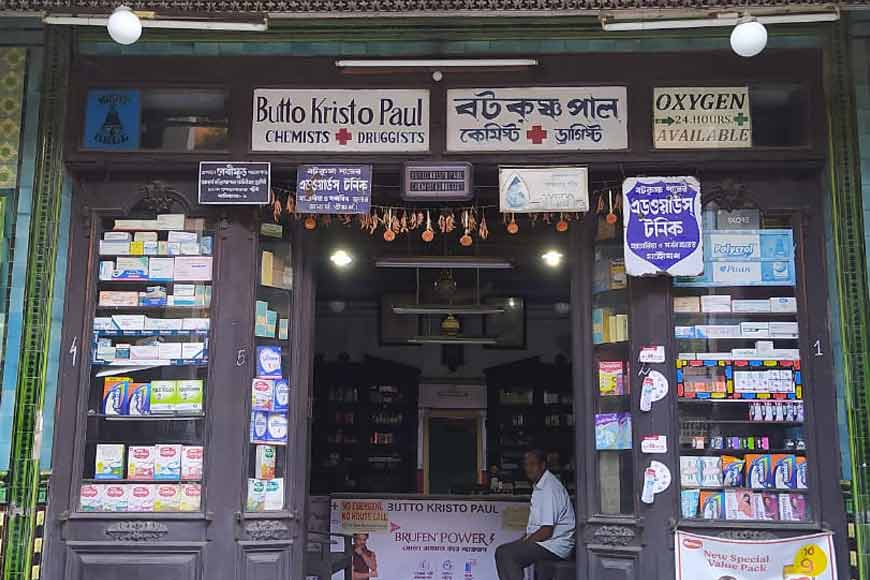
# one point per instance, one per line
(543, 189)
(537, 119)
(427, 539)
(333, 189)
(235, 183)
(701, 118)
(345, 121)
(801, 558)
(662, 226)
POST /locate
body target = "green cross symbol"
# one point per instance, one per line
(740, 119)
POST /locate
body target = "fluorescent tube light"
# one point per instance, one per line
(447, 309)
(437, 63)
(452, 340)
(66, 20)
(445, 263)
(611, 24)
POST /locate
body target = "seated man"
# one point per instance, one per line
(550, 531)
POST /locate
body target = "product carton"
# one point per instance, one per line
(262, 394)
(107, 270)
(281, 398)
(169, 350)
(109, 461)
(140, 462)
(261, 319)
(783, 304)
(195, 324)
(115, 498)
(144, 352)
(131, 268)
(153, 296)
(163, 323)
(112, 248)
(259, 427)
(759, 471)
(182, 237)
(186, 290)
(784, 329)
(103, 323)
(140, 497)
(256, 495)
(163, 396)
(139, 399)
(161, 268)
(269, 362)
(711, 471)
(130, 225)
(684, 331)
(276, 428)
(766, 506)
(689, 500)
(190, 248)
(717, 331)
(115, 395)
(687, 304)
(117, 237)
(167, 462)
(750, 306)
(118, 298)
(91, 497)
(191, 462)
(193, 268)
(167, 497)
(713, 505)
(190, 497)
(733, 469)
(283, 329)
(189, 395)
(206, 245)
(145, 236)
(754, 329)
(793, 507)
(192, 350)
(611, 378)
(739, 505)
(265, 462)
(784, 471)
(800, 472)
(716, 303)
(169, 221)
(274, 496)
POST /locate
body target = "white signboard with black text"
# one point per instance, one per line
(344, 121)
(543, 189)
(701, 118)
(537, 119)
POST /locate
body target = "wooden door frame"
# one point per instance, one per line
(479, 415)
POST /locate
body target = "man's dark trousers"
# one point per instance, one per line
(512, 558)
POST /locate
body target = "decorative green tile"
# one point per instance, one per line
(12, 68)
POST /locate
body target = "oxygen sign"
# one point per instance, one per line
(701, 118)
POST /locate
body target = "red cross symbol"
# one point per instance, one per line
(536, 134)
(343, 136)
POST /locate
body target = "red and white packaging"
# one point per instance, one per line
(191, 497)
(167, 497)
(91, 498)
(191, 462)
(140, 497)
(140, 462)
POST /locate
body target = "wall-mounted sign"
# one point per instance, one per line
(112, 120)
(537, 119)
(738, 219)
(333, 189)
(662, 226)
(543, 189)
(654, 444)
(652, 354)
(233, 183)
(701, 118)
(445, 181)
(345, 121)
(446, 396)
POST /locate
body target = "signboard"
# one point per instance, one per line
(333, 189)
(537, 119)
(662, 226)
(701, 118)
(445, 396)
(798, 558)
(746, 258)
(429, 539)
(112, 120)
(437, 181)
(234, 183)
(543, 189)
(738, 219)
(345, 121)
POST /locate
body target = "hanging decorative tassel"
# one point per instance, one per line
(562, 224)
(291, 204)
(611, 217)
(389, 234)
(428, 234)
(483, 231)
(512, 226)
(276, 207)
(310, 222)
(465, 240)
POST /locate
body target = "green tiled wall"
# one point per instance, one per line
(12, 65)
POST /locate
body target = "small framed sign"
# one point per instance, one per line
(235, 183)
(446, 181)
(113, 120)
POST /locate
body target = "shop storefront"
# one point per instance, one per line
(197, 434)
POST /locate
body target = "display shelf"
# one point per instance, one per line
(714, 400)
(738, 452)
(141, 481)
(165, 308)
(179, 362)
(751, 489)
(693, 420)
(149, 333)
(730, 315)
(154, 417)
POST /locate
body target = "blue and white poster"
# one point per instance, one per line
(334, 189)
(113, 120)
(662, 226)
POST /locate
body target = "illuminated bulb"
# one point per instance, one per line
(749, 38)
(124, 26)
(341, 258)
(552, 258)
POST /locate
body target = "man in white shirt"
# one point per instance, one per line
(550, 531)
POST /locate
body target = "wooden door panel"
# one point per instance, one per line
(264, 563)
(133, 561)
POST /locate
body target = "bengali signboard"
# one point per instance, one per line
(333, 189)
(344, 121)
(662, 226)
(428, 539)
(445, 181)
(701, 118)
(537, 119)
(113, 119)
(234, 183)
(543, 189)
(797, 558)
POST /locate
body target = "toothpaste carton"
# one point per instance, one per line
(265, 462)
(713, 505)
(784, 471)
(91, 498)
(109, 461)
(140, 462)
(262, 394)
(115, 498)
(190, 497)
(188, 395)
(256, 495)
(276, 428)
(759, 471)
(269, 362)
(167, 462)
(800, 473)
(167, 497)
(281, 398)
(191, 462)
(274, 495)
(163, 396)
(140, 497)
(115, 395)
(733, 469)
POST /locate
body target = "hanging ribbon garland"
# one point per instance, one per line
(470, 221)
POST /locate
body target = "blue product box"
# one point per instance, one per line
(281, 396)
(269, 362)
(777, 245)
(139, 399)
(259, 427)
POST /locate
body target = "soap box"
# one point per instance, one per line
(262, 394)
(269, 362)
(274, 495)
(115, 395)
(139, 399)
(189, 395)
(167, 497)
(766, 506)
(191, 462)
(167, 462)
(109, 462)
(739, 505)
(140, 462)
(140, 497)
(190, 497)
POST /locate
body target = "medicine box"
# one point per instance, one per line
(684, 331)
(131, 267)
(144, 352)
(783, 304)
(784, 329)
(193, 268)
(169, 351)
(717, 331)
(91, 497)
(170, 221)
(687, 304)
(161, 268)
(163, 323)
(167, 497)
(111, 248)
(117, 237)
(192, 350)
(195, 324)
(751, 306)
(188, 395)
(163, 396)
(181, 236)
(145, 236)
(128, 321)
(716, 303)
(118, 298)
(754, 329)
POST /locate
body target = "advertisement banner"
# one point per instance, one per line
(537, 119)
(701, 118)
(333, 189)
(543, 189)
(345, 121)
(427, 539)
(801, 558)
(662, 226)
